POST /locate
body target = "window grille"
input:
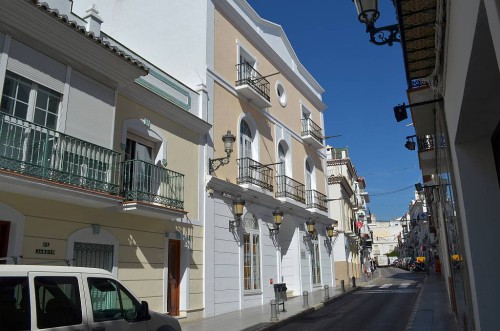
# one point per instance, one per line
(93, 255)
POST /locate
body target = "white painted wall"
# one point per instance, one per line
(170, 34)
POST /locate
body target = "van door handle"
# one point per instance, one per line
(99, 328)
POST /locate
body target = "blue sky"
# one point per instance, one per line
(362, 83)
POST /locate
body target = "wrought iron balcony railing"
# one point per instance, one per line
(40, 152)
(146, 182)
(253, 172)
(249, 76)
(289, 188)
(312, 129)
(316, 199)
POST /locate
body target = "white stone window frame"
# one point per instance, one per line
(143, 128)
(252, 232)
(255, 136)
(87, 235)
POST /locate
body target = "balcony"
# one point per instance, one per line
(255, 173)
(312, 133)
(151, 184)
(316, 200)
(31, 150)
(252, 86)
(289, 188)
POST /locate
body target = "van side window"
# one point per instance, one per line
(14, 303)
(57, 301)
(110, 301)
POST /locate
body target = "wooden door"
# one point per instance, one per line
(174, 257)
(4, 240)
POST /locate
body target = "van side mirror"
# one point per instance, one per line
(143, 311)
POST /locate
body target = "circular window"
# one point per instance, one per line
(281, 93)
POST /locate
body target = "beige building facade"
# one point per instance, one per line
(93, 157)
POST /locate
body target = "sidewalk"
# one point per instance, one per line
(258, 318)
(431, 312)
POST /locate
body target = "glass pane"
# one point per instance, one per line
(7, 105)
(53, 104)
(39, 117)
(129, 305)
(41, 99)
(23, 92)
(51, 121)
(256, 262)
(9, 87)
(14, 303)
(58, 301)
(93, 255)
(21, 110)
(104, 299)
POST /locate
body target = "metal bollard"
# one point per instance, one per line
(327, 293)
(305, 297)
(353, 281)
(342, 285)
(274, 311)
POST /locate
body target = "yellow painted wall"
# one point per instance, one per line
(141, 240)
(182, 150)
(228, 107)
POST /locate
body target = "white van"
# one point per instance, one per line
(72, 298)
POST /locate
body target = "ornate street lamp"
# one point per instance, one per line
(228, 139)
(238, 204)
(368, 14)
(278, 218)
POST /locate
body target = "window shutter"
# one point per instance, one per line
(38, 67)
(90, 114)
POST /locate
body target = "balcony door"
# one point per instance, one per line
(245, 150)
(309, 185)
(281, 171)
(139, 158)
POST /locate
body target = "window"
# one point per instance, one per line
(315, 264)
(281, 93)
(110, 301)
(93, 255)
(14, 304)
(27, 100)
(245, 140)
(57, 302)
(251, 254)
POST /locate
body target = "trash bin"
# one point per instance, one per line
(280, 294)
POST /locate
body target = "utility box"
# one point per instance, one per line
(280, 294)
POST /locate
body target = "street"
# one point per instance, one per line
(383, 304)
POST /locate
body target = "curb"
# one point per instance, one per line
(280, 323)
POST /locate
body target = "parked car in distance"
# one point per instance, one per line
(72, 298)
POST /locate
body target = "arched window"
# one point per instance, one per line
(245, 140)
(95, 248)
(251, 253)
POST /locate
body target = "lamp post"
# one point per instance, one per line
(310, 229)
(238, 204)
(368, 14)
(278, 218)
(228, 139)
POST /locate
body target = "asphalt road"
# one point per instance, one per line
(384, 305)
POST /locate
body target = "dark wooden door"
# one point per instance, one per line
(4, 239)
(174, 257)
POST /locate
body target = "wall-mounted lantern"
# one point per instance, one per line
(238, 205)
(278, 218)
